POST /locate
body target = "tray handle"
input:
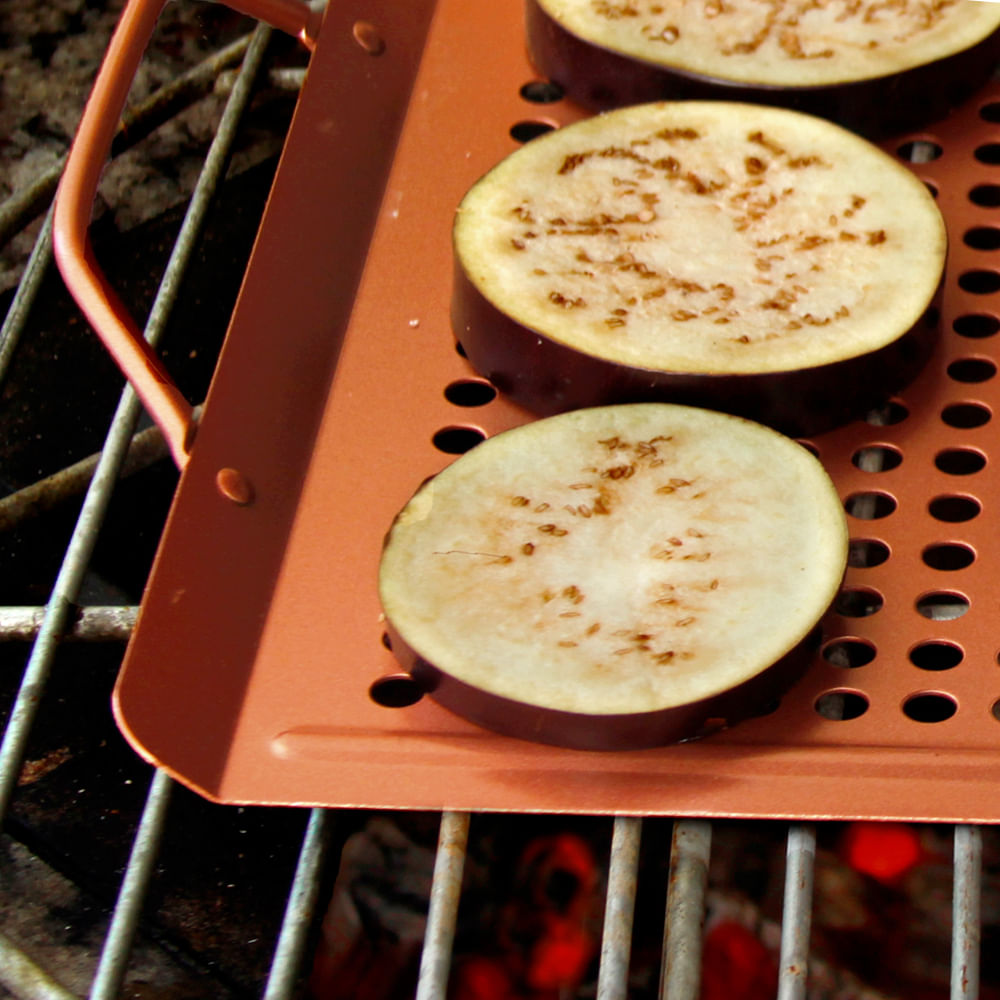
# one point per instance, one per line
(78, 189)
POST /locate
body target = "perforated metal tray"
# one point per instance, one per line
(340, 389)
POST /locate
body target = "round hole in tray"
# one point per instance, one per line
(931, 187)
(842, 705)
(965, 416)
(864, 553)
(979, 281)
(930, 706)
(960, 461)
(877, 458)
(542, 92)
(870, 505)
(395, 691)
(990, 112)
(458, 440)
(954, 508)
(982, 238)
(936, 655)
(985, 195)
(949, 556)
(942, 605)
(525, 131)
(849, 653)
(470, 392)
(889, 413)
(919, 151)
(858, 602)
(972, 370)
(988, 152)
(976, 326)
(995, 710)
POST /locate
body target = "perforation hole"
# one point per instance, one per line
(457, 440)
(949, 556)
(982, 238)
(979, 282)
(542, 92)
(965, 416)
(972, 370)
(936, 655)
(864, 553)
(942, 606)
(930, 707)
(470, 392)
(954, 508)
(842, 706)
(985, 195)
(990, 112)
(960, 461)
(849, 653)
(395, 691)
(525, 131)
(858, 602)
(870, 506)
(877, 458)
(888, 414)
(988, 152)
(976, 326)
(919, 151)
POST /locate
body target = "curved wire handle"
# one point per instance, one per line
(78, 188)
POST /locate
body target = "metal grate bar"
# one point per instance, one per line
(113, 963)
(690, 848)
(301, 907)
(24, 297)
(796, 921)
(616, 941)
(966, 915)
(446, 887)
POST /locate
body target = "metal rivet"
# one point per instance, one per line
(233, 485)
(368, 37)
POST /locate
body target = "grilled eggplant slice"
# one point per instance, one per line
(615, 577)
(738, 257)
(878, 68)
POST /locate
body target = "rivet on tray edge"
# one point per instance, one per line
(233, 485)
(368, 37)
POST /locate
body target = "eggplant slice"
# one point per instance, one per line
(737, 257)
(878, 68)
(615, 577)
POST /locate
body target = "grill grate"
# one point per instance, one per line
(689, 849)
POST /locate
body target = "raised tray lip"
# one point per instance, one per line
(242, 683)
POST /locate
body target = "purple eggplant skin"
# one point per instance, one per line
(758, 695)
(598, 79)
(547, 377)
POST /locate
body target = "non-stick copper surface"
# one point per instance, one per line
(340, 389)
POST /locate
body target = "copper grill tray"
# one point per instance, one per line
(260, 633)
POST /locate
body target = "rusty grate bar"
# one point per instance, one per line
(690, 848)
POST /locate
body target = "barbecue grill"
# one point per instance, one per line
(896, 720)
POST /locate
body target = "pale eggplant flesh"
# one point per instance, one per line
(738, 257)
(907, 64)
(615, 578)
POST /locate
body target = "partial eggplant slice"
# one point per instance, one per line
(615, 577)
(738, 257)
(875, 67)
